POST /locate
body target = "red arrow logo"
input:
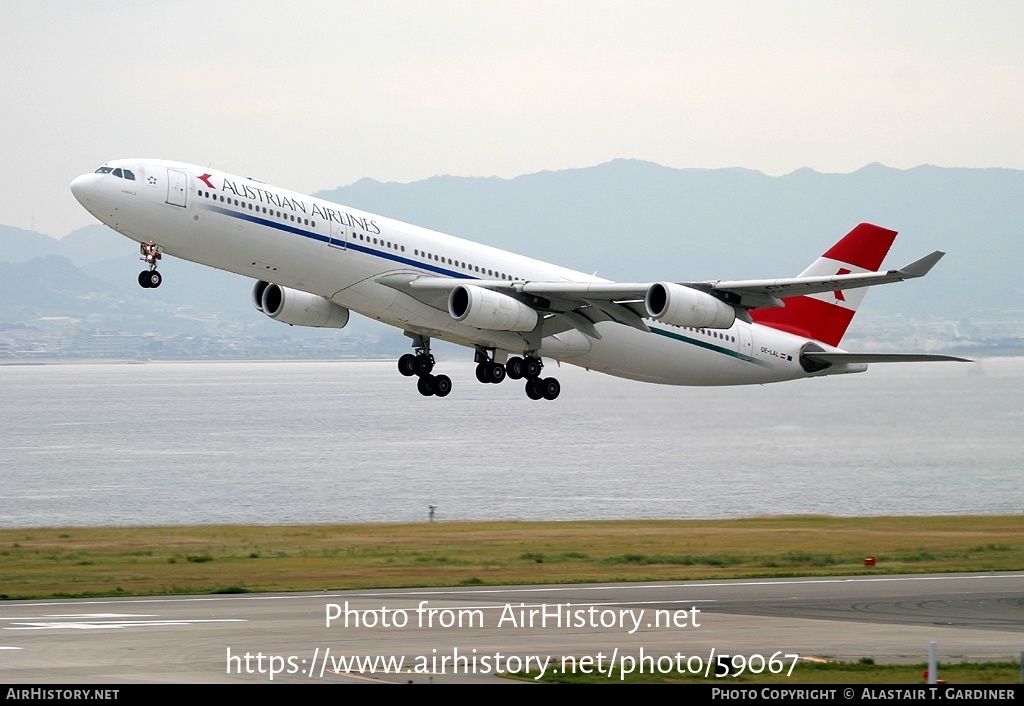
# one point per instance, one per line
(839, 292)
(205, 178)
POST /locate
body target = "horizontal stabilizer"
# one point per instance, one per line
(843, 358)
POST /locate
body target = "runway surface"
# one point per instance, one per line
(252, 638)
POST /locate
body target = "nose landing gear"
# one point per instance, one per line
(150, 279)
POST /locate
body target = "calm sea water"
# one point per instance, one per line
(296, 442)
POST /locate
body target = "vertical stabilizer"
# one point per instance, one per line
(825, 317)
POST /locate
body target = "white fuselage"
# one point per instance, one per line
(260, 231)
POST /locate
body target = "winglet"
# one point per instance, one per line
(919, 268)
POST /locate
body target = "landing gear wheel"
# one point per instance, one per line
(489, 371)
(533, 390)
(150, 279)
(407, 365)
(532, 367)
(481, 372)
(495, 372)
(425, 385)
(550, 387)
(442, 385)
(514, 367)
(424, 364)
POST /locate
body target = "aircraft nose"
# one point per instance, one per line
(82, 188)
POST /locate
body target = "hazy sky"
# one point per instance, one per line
(314, 95)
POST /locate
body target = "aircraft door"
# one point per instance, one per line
(176, 186)
(337, 238)
(746, 344)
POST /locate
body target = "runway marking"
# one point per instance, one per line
(512, 589)
(84, 616)
(112, 624)
(11, 648)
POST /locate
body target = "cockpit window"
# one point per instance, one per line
(119, 173)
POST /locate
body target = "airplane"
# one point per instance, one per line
(315, 261)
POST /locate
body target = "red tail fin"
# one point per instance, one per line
(825, 317)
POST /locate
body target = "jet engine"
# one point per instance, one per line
(684, 306)
(487, 309)
(291, 306)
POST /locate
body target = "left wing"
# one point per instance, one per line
(758, 293)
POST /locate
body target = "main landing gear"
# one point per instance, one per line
(516, 368)
(150, 279)
(487, 369)
(421, 364)
(530, 367)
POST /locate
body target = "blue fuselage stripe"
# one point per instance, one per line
(358, 247)
(707, 345)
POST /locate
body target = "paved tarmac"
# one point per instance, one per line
(467, 634)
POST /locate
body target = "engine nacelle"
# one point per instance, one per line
(291, 306)
(487, 309)
(685, 306)
(812, 366)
